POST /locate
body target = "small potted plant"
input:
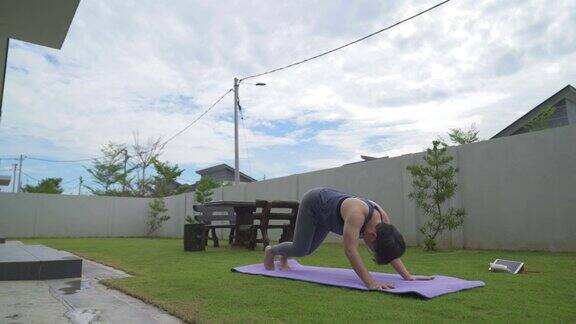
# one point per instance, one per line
(194, 235)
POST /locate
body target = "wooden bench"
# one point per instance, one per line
(207, 215)
(240, 215)
(270, 213)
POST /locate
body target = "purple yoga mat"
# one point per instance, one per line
(347, 278)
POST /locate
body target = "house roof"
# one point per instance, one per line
(39, 22)
(223, 166)
(366, 158)
(5, 180)
(568, 92)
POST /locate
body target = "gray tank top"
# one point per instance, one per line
(331, 201)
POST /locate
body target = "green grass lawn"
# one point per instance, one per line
(199, 286)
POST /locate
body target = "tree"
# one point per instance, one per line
(165, 178)
(540, 121)
(144, 156)
(125, 171)
(433, 185)
(204, 189)
(463, 136)
(156, 215)
(47, 185)
(107, 171)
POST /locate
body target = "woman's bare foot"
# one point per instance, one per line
(284, 263)
(268, 258)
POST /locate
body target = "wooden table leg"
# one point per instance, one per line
(231, 236)
(215, 238)
(244, 223)
(265, 221)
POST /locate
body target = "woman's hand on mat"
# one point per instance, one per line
(380, 286)
(419, 278)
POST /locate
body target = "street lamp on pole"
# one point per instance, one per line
(236, 108)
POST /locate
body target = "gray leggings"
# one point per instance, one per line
(308, 233)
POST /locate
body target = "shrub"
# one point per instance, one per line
(433, 184)
(190, 220)
(157, 215)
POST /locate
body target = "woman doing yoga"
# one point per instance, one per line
(324, 210)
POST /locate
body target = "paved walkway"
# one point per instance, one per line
(76, 300)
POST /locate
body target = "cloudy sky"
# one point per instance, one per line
(153, 66)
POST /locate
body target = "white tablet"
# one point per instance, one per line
(513, 266)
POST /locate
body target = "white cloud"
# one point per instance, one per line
(152, 67)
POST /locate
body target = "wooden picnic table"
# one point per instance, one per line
(244, 222)
(245, 215)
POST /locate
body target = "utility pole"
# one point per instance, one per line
(80, 186)
(236, 109)
(236, 156)
(19, 173)
(125, 176)
(14, 166)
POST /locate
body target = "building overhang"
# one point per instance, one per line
(40, 22)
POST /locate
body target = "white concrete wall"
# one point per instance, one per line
(45, 215)
(519, 193)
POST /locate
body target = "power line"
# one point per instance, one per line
(69, 189)
(29, 176)
(61, 161)
(345, 45)
(95, 158)
(198, 118)
(164, 144)
(75, 179)
(32, 178)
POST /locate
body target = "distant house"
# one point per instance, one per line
(4, 180)
(565, 103)
(223, 172)
(367, 158)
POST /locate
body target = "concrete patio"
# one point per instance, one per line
(75, 300)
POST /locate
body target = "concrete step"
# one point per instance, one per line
(37, 262)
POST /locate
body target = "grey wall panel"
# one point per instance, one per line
(174, 227)
(44, 215)
(235, 193)
(517, 192)
(311, 180)
(128, 216)
(284, 188)
(564, 165)
(56, 219)
(18, 214)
